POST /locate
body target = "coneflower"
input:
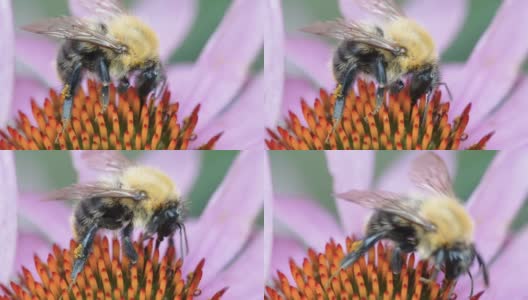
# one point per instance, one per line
(109, 274)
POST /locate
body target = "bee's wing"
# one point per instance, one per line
(78, 192)
(349, 30)
(103, 8)
(386, 9)
(390, 202)
(106, 161)
(73, 28)
(429, 173)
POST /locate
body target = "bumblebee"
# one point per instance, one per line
(436, 225)
(128, 196)
(110, 45)
(390, 50)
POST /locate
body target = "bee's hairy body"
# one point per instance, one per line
(454, 227)
(420, 53)
(138, 196)
(142, 49)
(113, 213)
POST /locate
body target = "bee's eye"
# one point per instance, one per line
(142, 195)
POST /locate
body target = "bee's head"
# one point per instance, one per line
(151, 78)
(458, 259)
(423, 81)
(166, 220)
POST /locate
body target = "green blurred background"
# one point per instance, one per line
(43, 171)
(305, 174)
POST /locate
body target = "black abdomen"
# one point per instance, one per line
(73, 53)
(104, 214)
(350, 52)
(398, 230)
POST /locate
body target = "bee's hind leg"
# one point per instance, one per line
(341, 94)
(364, 246)
(126, 234)
(82, 252)
(68, 93)
(104, 76)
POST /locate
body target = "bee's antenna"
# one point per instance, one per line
(183, 239)
(471, 278)
(447, 89)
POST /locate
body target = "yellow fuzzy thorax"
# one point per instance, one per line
(158, 186)
(453, 223)
(141, 40)
(415, 39)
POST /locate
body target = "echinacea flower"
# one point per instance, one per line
(370, 277)
(223, 241)
(492, 205)
(478, 117)
(218, 83)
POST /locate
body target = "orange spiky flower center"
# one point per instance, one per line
(370, 277)
(398, 125)
(108, 274)
(125, 124)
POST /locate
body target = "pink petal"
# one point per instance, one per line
(508, 272)
(351, 170)
(8, 214)
(7, 64)
(273, 60)
(223, 65)
(285, 249)
(350, 10)
(28, 245)
(268, 217)
(26, 89)
(504, 182)
(496, 59)
(308, 220)
(313, 57)
(171, 20)
(182, 166)
(51, 217)
(508, 124)
(177, 77)
(442, 19)
(452, 75)
(295, 90)
(77, 8)
(242, 123)
(226, 223)
(245, 277)
(396, 177)
(43, 61)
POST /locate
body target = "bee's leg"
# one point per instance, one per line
(396, 260)
(82, 251)
(482, 265)
(364, 246)
(104, 76)
(158, 241)
(123, 85)
(68, 92)
(381, 77)
(397, 86)
(126, 239)
(341, 94)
